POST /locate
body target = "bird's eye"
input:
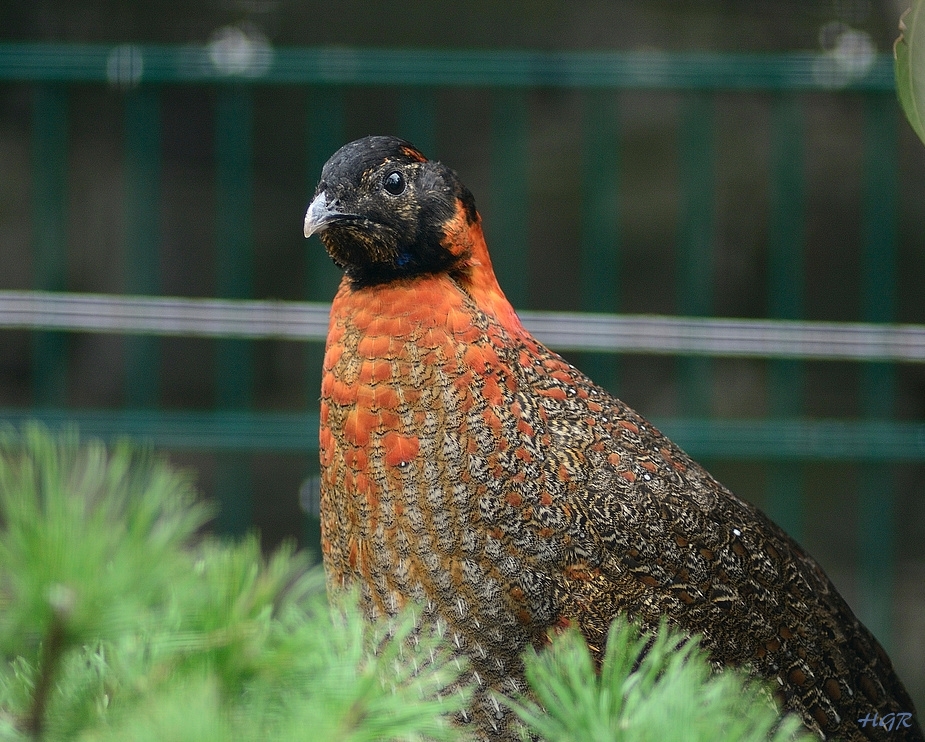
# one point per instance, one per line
(394, 183)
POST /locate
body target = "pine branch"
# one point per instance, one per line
(650, 688)
(117, 621)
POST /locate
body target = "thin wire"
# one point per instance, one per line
(565, 331)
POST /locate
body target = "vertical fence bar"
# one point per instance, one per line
(786, 296)
(600, 223)
(49, 229)
(876, 525)
(325, 134)
(695, 242)
(417, 119)
(142, 248)
(234, 269)
(508, 229)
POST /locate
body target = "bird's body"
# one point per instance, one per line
(469, 469)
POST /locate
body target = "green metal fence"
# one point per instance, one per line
(786, 440)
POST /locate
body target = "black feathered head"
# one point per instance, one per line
(381, 210)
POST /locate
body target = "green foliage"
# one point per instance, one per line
(80, 529)
(909, 53)
(648, 689)
(120, 621)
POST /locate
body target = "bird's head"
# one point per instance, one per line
(384, 211)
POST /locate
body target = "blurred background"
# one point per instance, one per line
(719, 159)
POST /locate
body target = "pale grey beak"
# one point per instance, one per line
(320, 214)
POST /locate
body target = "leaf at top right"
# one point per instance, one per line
(909, 55)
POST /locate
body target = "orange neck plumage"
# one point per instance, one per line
(475, 274)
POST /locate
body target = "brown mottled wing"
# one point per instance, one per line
(649, 533)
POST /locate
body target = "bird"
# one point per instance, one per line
(470, 471)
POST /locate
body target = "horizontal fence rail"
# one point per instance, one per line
(130, 64)
(281, 432)
(212, 430)
(564, 331)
